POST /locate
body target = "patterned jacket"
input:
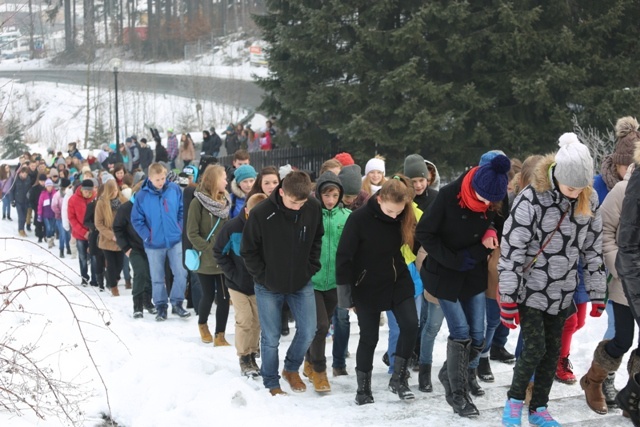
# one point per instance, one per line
(550, 279)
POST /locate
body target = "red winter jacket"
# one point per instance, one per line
(77, 208)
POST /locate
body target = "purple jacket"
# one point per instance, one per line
(45, 204)
(6, 184)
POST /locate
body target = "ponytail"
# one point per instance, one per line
(400, 190)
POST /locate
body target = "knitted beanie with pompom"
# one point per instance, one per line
(490, 180)
(574, 164)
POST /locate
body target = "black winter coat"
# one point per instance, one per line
(369, 259)
(162, 155)
(226, 251)
(20, 190)
(628, 258)
(425, 199)
(113, 158)
(281, 247)
(89, 223)
(211, 144)
(146, 157)
(126, 236)
(449, 233)
(34, 196)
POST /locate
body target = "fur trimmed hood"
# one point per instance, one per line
(541, 180)
(235, 189)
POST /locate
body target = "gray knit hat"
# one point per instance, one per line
(574, 164)
(415, 167)
(351, 179)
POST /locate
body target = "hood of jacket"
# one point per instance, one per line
(541, 180)
(235, 189)
(328, 178)
(436, 180)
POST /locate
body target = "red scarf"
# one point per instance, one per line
(467, 194)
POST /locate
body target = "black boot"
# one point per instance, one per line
(474, 387)
(398, 383)
(424, 379)
(137, 307)
(443, 377)
(484, 370)
(147, 304)
(363, 395)
(628, 399)
(61, 253)
(458, 373)
(284, 328)
(609, 389)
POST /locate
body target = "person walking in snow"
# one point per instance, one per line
(77, 208)
(57, 203)
(20, 198)
(7, 177)
(172, 147)
(46, 215)
(554, 223)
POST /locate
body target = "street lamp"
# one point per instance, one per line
(116, 63)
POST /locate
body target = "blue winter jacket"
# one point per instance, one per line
(157, 215)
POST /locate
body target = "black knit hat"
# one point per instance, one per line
(87, 184)
(42, 177)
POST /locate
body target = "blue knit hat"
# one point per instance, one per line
(488, 156)
(244, 172)
(490, 180)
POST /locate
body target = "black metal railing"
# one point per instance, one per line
(307, 159)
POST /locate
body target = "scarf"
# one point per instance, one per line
(467, 194)
(115, 204)
(218, 209)
(609, 173)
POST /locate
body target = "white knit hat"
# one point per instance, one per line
(574, 164)
(374, 164)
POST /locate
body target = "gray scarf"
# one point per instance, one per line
(219, 209)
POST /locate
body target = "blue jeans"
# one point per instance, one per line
(49, 226)
(432, 325)
(394, 332)
(341, 332)
(126, 269)
(611, 322)
(65, 236)
(6, 205)
(493, 322)
(465, 318)
(303, 307)
(22, 215)
(83, 257)
(156, 266)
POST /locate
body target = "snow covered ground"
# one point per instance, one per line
(161, 374)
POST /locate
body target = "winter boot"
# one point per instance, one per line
(114, 291)
(443, 377)
(22, 233)
(628, 398)
(363, 395)
(254, 364)
(294, 380)
(148, 305)
(179, 310)
(162, 313)
(424, 378)
(320, 382)
(338, 372)
(592, 381)
(137, 307)
(307, 371)
(205, 335)
(458, 373)
(51, 242)
(246, 367)
(609, 390)
(398, 383)
(474, 387)
(61, 253)
(127, 284)
(541, 418)
(564, 371)
(512, 413)
(501, 355)
(220, 341)
(284, 326)
(484, 370)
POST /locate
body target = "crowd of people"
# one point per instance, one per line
(507, 243)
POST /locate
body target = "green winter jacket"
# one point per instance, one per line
(333, 221)
(199, 224)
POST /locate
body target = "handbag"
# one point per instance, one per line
(192, 256)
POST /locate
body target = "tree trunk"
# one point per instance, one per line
(31, 31)
(86, 126)
(89, 29)
(105, 14)
(69, 39)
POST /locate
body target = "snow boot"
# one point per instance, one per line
(127, 284)
(424, 378)
(398, 383)
(254, 363)
(137, 307)
(220, 341)
(609, 390)
(61, 253)
(458, 372)
(177, 309)
(501, 354)
(542, 418)
(51, 242)
(592, 381)
(114, 291)
(338, 372)
(205, 334)
(628, 398)
(294, 380)
(22, 233)
(147, 304)
(363, 395)
(162, 313)
(512, 413)
(320, 382)
(307, 371)
(246, 367)
(564, 371)
(484, 370)
(474, 387)
(443, 377)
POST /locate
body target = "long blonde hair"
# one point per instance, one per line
(400, 190)
(366, 182)
(209, 182)
(104, 201)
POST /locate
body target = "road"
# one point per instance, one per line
(237, 93)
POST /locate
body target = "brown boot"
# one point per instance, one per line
(277, 392)
(115, 292)
(592, 381)
(205, 335)
(308, 370)
(22, 233)
(294, 380)
(219, 340)
(127, 284)
(321, 382)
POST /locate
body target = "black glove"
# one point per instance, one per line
(469, 263)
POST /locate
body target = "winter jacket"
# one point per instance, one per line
(281, 247)
(64, 212)
(601, 188)
(126, 236)
(90, 224)
(34, 196)
(20, 190)
(551, 278)
(451, 234)
(127, 159)
(45, 201)
(369, 259)
(162, 155)
(187, 197)
(610, 210)
(211, 144)
(157, 215)
(238, 199)
(425, 199)
(187, 153)
(7, 184)
(226, 250)
(106, 240)
(172, 147)
(76, 211)
(200, 222)
(333, 223)
(231, 143)
(113, 158)
(146, 158)
(56, 204)
(135, 156)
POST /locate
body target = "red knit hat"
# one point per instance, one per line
(345, 159)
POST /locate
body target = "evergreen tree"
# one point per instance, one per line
(13, 135)
(99, 134)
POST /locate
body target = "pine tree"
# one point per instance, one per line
(13, 135)
(99, 134)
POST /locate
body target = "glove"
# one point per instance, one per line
(39, 218)
(13, 203)
(469, 263)
(597, 308)
(509, 315)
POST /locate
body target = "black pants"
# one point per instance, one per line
(369, 323)
(212, 284)
(542, 334)
(625, 328)
(141, 273)
(326, 302)
(114, 260)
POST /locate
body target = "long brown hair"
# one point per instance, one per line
(104, 201)
(400, 190)
(257, 185)
(3, 173)
(209, 182)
